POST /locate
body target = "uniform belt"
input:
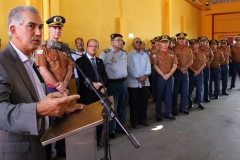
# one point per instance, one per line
(236, 61)
(224, 64)
(215, 67)
(117, 80)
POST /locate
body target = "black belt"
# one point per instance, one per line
(117, 80)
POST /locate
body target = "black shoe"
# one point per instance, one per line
(225, 93)
(171, 118)
(145, 124)
(112, 135)
(195, 100)
(201, 107)
(231, 87)
(184, 112)
(159, 119)
(207, 100)
(135, 126)
(175, 114)
(217, 97)
(100, 144)
(191, 106)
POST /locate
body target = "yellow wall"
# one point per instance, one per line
(192, 16)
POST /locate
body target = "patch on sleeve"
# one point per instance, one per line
(102, 56)
(154, 56)
(40, 51)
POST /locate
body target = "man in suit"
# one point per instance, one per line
(24, 107)
(94, 69)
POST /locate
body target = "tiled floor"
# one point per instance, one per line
(210, 134)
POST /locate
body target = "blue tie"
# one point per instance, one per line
(95, 68)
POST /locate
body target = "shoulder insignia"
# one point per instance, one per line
(106, 50)
(123, 50)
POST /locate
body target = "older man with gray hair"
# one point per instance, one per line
(139, 67)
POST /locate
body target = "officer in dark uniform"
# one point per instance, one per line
(196, 73)
(115, 61)
(164, 63)
(215, 69)
(181, 79)
(225, 65)
(235, 51)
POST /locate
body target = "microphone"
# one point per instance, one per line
(54, 45)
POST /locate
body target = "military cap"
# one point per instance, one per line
(157, 38)
(181, 35)
(237, 38)
(165, 38)
(152, 41)
(213, 42)
(224, 41)
(173, 39)
(187, 40)
(192, 41)
(56, 21)
(114, 35)
(202, 38)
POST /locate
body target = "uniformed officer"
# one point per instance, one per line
(225, 65)
(55, 67)
(187, 44)
(172, 43)
(153, 73)
(181, 80)
(215, 68)
(206, 71)
(115, 61)
(196, 73)
(235, 51)
(152, 45)
(164, 63)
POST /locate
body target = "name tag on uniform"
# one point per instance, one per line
(113, 60)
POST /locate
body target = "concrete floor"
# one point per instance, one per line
(210, 134)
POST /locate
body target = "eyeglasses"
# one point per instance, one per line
(118, 40)
(138, 42)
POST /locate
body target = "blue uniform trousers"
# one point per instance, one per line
(224, 75)
(181, 82)
(236, 68)
(215, 75)
(119, 92)
(153, 82)
(198, 81)
(206, 73)
(164, 88)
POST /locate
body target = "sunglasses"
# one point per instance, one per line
(138, 42)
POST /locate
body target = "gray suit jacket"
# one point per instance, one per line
(19, 135)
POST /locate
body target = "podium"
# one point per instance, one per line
(78, 129)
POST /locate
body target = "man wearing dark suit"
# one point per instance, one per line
(94, 69)
(24, 106)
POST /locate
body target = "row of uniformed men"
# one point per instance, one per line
(178, 69)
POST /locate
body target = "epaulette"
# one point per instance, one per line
(65, 44)
(124, 50)
(106, 50)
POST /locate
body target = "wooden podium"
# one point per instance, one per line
(79, 131)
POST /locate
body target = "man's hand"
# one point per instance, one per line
(54, 104)
(61, 86)
(74, 107)
(103, 90)
(166, 76)
(97, 85)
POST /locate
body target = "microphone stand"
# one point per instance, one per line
(107, 111)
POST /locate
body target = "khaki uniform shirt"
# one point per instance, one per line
(183, 55)
(208, 54)
(199, 59)
(235, 51)
(55, 61)
(152, 52)
(226, 54)
(218, 59)
(164, 61)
